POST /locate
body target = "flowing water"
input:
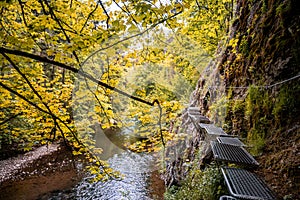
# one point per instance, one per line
(50, 177)
(141, 181)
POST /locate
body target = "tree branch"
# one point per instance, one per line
(54, 117)
(126, 11)
(22, 10)
(30, 85)
(159, 123)
(132, 36)
(61, 27)
(56, 124)
(74, 70)
(10, 118)
(39, 108)
(105, 11)
(26, 79)
(88, 17)
(24, 98)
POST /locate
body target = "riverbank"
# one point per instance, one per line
(48, 172)
(31, 175)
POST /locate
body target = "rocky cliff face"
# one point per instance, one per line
(264, 49)
(252, 90)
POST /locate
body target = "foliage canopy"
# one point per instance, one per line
(52, 51)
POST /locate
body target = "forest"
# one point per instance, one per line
(55, 53)
(74, 70)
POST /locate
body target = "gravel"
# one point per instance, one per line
(10, 168)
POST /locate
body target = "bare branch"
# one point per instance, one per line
(106, 13)
(199, 7)
(159, 122)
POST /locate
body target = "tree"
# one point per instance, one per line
(208, 22)
(47, 47)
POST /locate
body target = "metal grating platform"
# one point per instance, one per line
(194, 113)
(231, 153)
(212, 129)
(199, 119)
(231, 141)
(243, 184)
(225, 197)
(197, 109)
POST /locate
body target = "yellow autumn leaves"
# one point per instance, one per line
(68, 32)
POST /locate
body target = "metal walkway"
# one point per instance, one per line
(243, 184)
(231, 140)
(196, 116)
(213, 130)
(232, 153)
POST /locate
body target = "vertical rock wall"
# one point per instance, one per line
(262, 51)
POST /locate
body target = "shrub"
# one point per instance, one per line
(206, 184)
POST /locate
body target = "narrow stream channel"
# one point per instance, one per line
(140, 181)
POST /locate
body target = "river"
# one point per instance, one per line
(141, 181)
